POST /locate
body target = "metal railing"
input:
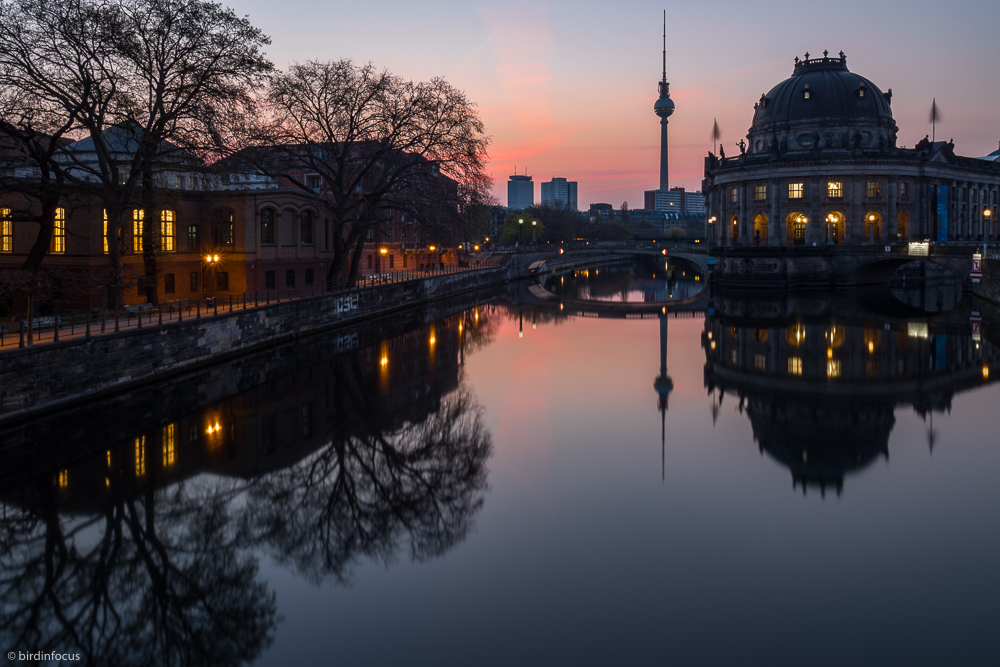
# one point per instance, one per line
(56, 328)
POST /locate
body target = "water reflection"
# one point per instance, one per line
(147, 551)
(649, 280)
(821, 387)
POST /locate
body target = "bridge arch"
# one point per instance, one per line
(878, 271)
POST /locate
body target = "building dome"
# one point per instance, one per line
(822, 105)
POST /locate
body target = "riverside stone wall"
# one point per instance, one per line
(45, 376)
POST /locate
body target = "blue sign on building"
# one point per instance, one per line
(942, 213)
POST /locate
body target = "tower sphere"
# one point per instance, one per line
(664, 107)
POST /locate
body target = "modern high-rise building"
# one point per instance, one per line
(677, 200)
(559, 193)
(520, 192)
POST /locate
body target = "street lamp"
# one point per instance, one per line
(519, 228)
(534, 224)
(829, 225)
(871, 229)
(213, 261)
(986, 214)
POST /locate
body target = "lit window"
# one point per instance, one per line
(759, 192)
(806, 93)
(137, 217)
(140, 456)
(795, 190)
(63, 479)
(167, 221)
(59, 231)
(874, 189)
(795, 365)
(105, 231)
(835, 189)
(6, 231)
(833, 368)
(169, 445)
(733, 195)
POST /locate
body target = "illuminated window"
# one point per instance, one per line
(795, 365)
(833, 368)
(835, 189)
(59, 231)
(733, 195)
(806, 93)
(167, 223)
(874, 189)
(759, 192)
(6, 231)
(105, 231)
(137, 217)
(760, 362)
(169, 445)
(140, 456)
(795, 190)
(63, 479)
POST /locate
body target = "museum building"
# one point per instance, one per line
(820, 166)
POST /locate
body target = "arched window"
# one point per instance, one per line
(267, 226)
(223, 226)
(306, 228)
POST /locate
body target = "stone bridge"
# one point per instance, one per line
(828, 266)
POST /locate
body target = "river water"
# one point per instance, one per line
(793, 480)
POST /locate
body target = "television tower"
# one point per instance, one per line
(663, 108)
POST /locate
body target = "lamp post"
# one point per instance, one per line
(534, 226)
(520, 224)
(381, 254)
(986, 215)
(711, 235)
(213, 261)
(829, 224)
(871, 229)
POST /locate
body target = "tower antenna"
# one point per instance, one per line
(664, 44)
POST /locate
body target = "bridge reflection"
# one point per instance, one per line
(821, 391)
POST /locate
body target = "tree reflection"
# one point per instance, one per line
(155, 579)
(147, 553)
(373, 488)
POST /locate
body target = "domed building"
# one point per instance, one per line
(820, 166)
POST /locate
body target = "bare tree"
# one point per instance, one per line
(379, 144)
(141, 81)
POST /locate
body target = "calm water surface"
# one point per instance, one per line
(798, 481)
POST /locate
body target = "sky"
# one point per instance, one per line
(567, 88)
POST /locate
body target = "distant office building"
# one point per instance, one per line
(520, 192)
(676, 200)
(559, 193)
